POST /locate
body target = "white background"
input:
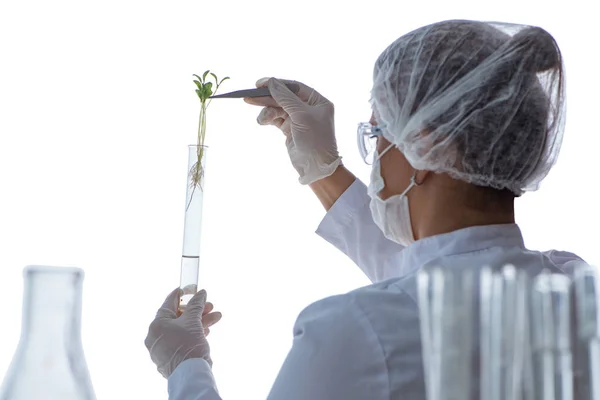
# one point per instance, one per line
(97, 107)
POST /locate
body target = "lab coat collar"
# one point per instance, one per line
(465, 240)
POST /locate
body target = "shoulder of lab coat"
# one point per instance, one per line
(193, 380)
(344, 345)
(349, 226)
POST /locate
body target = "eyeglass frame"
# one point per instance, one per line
(364, 130)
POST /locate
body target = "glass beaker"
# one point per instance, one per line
(192, 229)
(49, 362)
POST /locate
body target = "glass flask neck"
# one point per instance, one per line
(52, 307)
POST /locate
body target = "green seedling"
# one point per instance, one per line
(204, 89)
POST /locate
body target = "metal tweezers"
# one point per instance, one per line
(259, 92)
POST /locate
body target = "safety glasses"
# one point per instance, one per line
(367, 140)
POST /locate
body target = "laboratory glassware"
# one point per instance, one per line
(192, 229)
(49, 362)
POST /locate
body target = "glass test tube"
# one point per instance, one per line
(194, 199)
(587, 305)
(430, 294)
(497, 299)
(458, 328)
(496, 359)
(504, 335)
(507, 318)
(561, 296)
(486, 294)
(551, 336)
(522, 376)
(445, 315)
(513, 321)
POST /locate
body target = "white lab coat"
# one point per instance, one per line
(365, 345)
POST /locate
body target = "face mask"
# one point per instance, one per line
(392, 215)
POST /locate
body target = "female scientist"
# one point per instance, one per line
(467, 116)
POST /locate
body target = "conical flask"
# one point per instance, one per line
(49, 363)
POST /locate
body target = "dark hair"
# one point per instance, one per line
(535, 51)
(547, 55)
(516, 87)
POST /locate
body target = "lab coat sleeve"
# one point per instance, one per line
(349, 226)
(193, 380)
(335, 355)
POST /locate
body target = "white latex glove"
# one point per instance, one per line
(307, 121)
(172, 339)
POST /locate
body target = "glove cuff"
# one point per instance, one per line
(318, 171)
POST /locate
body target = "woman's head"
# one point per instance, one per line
(471, 115)
(480, 102)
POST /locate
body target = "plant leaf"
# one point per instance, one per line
(199, 79)
(208, 89)
(223, 80)
(204, 76)
(214, 76)
(199, 93)
(198, 84)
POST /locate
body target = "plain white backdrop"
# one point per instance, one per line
(97, 107)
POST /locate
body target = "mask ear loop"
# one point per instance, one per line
(384, 151)
(413, 179)
(413, 183)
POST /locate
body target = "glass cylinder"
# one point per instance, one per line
(551, 336)
(49, 362)
(192, 229)
(586, 291)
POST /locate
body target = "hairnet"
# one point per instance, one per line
(482, 102)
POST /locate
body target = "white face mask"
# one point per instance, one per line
(392, 215)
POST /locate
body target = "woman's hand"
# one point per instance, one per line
(209, 318)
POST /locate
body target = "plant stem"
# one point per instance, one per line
(201, 136)
(197, 171)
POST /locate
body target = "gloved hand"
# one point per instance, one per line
(172, 339)
(209, 318)
(307, 121)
